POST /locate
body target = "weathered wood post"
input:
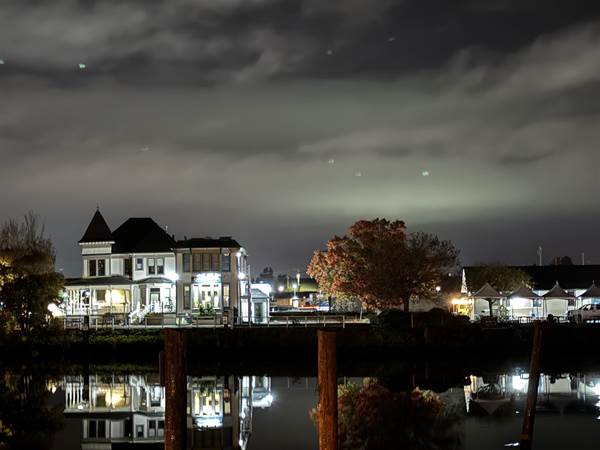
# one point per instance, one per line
(532, 388)
(328, 408)
(175, 389)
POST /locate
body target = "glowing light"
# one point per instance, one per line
(358, 174)
(1, 61)
(173, 276)
(519, 383)
(438, 289)
(54, 310)
(461, 301)
(82, 66)
(425, 173)
(280, 288)
(238, 254)
(242, 276)
(331, 161)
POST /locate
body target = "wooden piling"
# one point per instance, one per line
(532, 389)
(175, 389)
(328, 408)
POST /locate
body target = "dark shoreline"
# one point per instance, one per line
(362, 350)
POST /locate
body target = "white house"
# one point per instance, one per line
(139, 269)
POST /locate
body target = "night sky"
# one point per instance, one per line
(281, 122)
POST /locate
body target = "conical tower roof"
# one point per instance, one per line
(523, 292)
(487, 291)
(97, 230)
(558, 292)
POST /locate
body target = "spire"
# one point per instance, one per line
(97, 230)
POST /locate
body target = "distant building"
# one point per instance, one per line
(555, 289)
(139, 269)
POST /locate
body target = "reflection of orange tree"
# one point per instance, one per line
(26, 419)
(372, 417)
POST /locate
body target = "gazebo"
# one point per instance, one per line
(556, 301)
(523, 301)
(488, 293)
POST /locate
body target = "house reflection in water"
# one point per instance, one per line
(131, 409)
(558, 394)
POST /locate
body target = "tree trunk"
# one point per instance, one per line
(406, 305)
(491, 302)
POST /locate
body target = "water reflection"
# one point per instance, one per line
(131, 408)
(27, 418)
(558, 393)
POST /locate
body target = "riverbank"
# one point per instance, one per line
(244, 346)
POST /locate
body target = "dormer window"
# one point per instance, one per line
(97, 267)
(151, 266)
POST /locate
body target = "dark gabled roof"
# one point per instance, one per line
(545, 277)
(97, 230)
(487, 291)
(592, 292)
(99, 281)
(557, 292)
(523, 292)
(222, 242)
(141, 235)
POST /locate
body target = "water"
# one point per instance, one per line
(115, 408)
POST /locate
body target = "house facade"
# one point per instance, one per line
(139, 271)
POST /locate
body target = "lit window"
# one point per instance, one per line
(151, 266)
(225, 295)
(160, 266)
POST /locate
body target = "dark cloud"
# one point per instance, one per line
(252, 118)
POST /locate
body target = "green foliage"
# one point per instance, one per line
(28, 283)
(501, 277)
(26, 297)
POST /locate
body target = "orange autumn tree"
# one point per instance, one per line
(382, 265)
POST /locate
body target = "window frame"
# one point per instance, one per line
(151, 267)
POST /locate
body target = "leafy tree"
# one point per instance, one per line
(375, 417)
(28, 283)
(379, 263)
(27, 296)
(505, 279)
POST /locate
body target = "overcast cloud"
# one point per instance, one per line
(281, 122)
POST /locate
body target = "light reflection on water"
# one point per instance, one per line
(261, 412)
